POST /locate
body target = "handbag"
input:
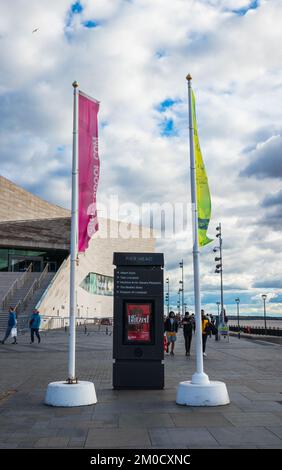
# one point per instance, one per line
(14, 332)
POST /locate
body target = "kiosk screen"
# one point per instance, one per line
(138, 321)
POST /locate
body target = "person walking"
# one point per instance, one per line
(34, 325)
(205, 331)
(171, 328)
(12, 322)
(187, 332)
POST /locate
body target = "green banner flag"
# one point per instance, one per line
(203, 192)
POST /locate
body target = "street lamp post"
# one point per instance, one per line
(178, 302)
(238, 318)
(217, 337)
(264, 311)
(219, 269)
(182, 285)
(167, 295)
(179, 292)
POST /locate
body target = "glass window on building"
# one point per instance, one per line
(98, 284)
(4, 262)
(17, 260)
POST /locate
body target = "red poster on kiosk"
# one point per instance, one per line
(139, 322)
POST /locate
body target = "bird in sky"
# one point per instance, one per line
(35, 30)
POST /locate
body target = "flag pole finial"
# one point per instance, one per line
(188, 78)
(75, 84)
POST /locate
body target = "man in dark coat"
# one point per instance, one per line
(187, 325)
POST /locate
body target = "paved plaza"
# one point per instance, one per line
(139, 419)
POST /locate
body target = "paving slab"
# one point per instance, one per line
(145, 420)
(277, 430)
(183, 437)
(117, 438)
(253, 419)
(263, 406)
(238, 436)
(199, 420)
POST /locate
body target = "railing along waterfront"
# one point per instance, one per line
(257, 330)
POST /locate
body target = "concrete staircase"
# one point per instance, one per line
(25, 311)
(6, 281)
(23, 318)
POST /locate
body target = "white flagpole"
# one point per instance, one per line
(199, 377)
(71, 392)
(199, 391)
(74, 241)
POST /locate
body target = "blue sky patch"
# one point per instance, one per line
(90, 24)
(167, 103)
(253, 5)
(276, 300)
(76, 7)
(168, 128)
(160, 53)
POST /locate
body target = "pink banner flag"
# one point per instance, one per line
(89, 169)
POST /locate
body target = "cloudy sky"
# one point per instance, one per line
(133, 56)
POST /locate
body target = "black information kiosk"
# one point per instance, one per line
(138, 331)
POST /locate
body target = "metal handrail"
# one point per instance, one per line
(43, 275)
(16, 285)
(16, 308)
(35, 285)
(30, 292)
(50, 287)
(11, 289)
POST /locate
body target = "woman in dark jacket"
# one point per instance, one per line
(171, 328)
(12, 323)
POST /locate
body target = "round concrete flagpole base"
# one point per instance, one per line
(209, 394)
(64, 394)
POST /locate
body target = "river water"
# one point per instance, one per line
(260, 322)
